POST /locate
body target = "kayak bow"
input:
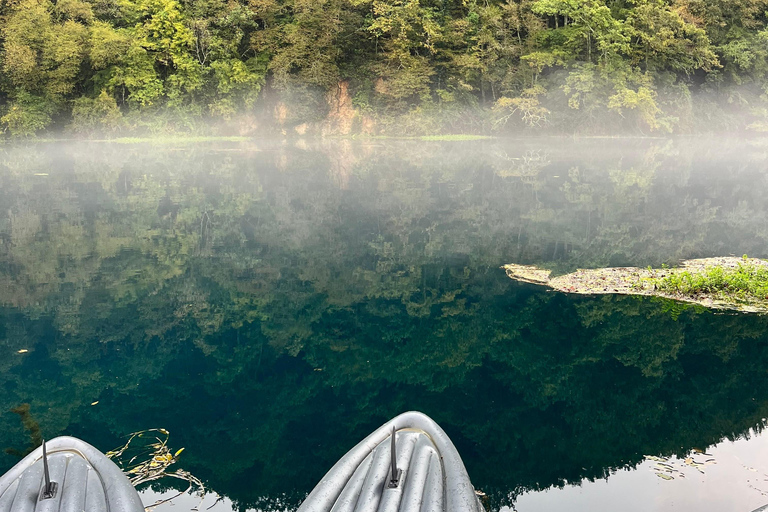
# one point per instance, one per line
(407, 465)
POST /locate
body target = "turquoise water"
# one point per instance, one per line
(271, 303)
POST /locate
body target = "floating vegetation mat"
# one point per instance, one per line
(146, 457)
(739, 284)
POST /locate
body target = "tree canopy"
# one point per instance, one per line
(256, 66)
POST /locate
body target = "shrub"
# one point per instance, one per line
(100, 114)
(27, 114)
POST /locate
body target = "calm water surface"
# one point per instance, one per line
(271, 303)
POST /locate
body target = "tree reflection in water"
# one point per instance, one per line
(271, 304)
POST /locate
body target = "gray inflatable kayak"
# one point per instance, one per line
(73, 476)
(427, 474)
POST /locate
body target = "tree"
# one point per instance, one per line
(663, 40)
(407, 33)
(303, 46)
(43, 48)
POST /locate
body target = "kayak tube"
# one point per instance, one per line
(426, 473)
(67, 475)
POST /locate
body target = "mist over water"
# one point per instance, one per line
(271, 303)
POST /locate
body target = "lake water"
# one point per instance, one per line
(272, 303)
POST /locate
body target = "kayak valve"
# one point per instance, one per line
(49, 489)
(396, 473)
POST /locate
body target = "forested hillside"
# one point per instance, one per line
(391, 67)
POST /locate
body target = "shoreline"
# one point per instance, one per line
(459, 137)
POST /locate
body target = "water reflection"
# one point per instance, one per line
(271, 304)
(735, 482)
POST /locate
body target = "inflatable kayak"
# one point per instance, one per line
(67, 475)
(408, 465)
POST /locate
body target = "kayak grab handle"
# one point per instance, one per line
(49, 489)
(394, 479)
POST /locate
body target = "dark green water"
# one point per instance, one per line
(272, 303)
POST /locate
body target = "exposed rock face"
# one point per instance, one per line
(342, 117)
(281, 113)
(341, 112)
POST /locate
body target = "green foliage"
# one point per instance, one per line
(93, 115)
(408, 33)
(748, 281)
(663, 39)
(27, 114)
(527, 107)
(304, 48)
(165, 36)
(237, 85)
(43, 47)
(460, 65)
(42, 51)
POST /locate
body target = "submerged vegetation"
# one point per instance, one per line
(382, 66)
(719, 283)
(31, 427)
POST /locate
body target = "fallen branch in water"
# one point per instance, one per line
(739, 284)
(149, 458)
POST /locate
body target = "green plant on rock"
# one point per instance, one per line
(747, 281)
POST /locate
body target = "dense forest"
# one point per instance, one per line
(253, 67)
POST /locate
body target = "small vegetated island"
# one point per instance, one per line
(739, 284)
